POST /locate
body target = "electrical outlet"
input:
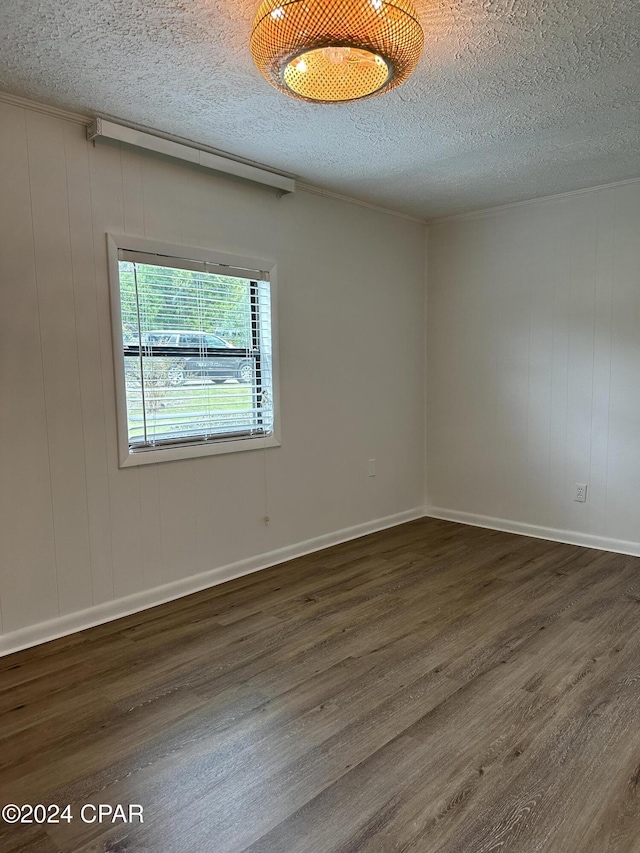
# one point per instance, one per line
(372, 467)
(581, 493)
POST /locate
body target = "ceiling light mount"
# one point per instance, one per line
(336, 51)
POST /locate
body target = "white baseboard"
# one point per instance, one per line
(568, 537)
(107, 612)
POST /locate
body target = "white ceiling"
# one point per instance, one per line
(512, 98)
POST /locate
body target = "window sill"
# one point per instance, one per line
(152, 456)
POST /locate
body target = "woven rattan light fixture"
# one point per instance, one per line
(332, 51)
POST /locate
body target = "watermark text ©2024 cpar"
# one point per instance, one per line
(87, 813)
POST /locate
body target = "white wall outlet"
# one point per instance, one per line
(581, 493)
(372, 467)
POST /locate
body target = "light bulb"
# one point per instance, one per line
(337, 55)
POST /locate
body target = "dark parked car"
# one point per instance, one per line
(203, 355)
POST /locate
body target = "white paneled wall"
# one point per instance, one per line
(533, 353)
(76, 532)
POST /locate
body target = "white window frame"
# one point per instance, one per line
(153, 455)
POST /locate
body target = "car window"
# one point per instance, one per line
(213, 341)
(191, 340)
(158, 338)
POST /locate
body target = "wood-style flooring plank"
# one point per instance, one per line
(432, 688)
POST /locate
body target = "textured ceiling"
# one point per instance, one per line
(512, 98)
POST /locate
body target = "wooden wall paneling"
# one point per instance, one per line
(605, 231)
(623, 507)
(54, 275)
(28, 583)
(560, 370)
(511, 333)
(466, 382)
(124, 531)
(582, 251)
(148, 477)
(479, 367)
(439, 319)
(89, 362)
(124, 491)
(541, 292)
(583, 256)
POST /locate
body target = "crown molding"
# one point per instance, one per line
(491, 211)
(56, 112)
(356, 202)
(86, 120)
(89, 119)
(81, 118)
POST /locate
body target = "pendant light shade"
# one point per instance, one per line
(332, 51)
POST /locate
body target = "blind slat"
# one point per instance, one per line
(197, 347)
(167, 261)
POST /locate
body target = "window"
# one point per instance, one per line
(212, 341)
(193, 336)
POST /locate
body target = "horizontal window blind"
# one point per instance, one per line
(197, 348)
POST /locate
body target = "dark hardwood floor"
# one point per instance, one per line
(433, 687)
